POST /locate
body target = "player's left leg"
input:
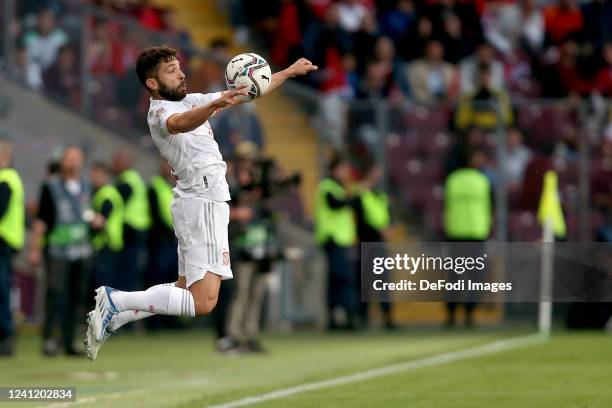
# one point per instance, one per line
(129, 316)
(93, 344)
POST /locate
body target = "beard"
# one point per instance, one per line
(170, 94)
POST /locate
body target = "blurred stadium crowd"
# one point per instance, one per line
(52, 58)
(452, 73)
(430, 50)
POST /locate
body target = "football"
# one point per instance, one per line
(251, 70)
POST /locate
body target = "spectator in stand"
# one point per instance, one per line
(317, 8)
(512, 26)
(432, 79)
(377, 83)
(44, 43)
(349, 61)
(363, 42)
(571, 81)
(485, 55)
(119, 6)
(456, 46)
(28, 73)
(395, 23)
(437, 10)
(603, 79)
(149, 15)
(384, 52)
(63, 80)
(533, 177)
(413, 43)
(324, 44)
(351, 14)
(562, 20)
(287, 42)
(601, 183)
(474, 139)
(263, 16)
(103, 48)
(517, 157)
(597, 18)
(484, 106)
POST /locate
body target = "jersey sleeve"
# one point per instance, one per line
(205, 99)
(158, 118)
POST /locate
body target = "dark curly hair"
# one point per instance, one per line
(149, 59)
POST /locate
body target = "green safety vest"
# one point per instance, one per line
(467, 205)
(336, 224)
(163, 192)
(111, 235)
(69, 237)
(136, 209)
(375, 208)
(12, 225)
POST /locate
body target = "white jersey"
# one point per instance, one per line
(194, 156)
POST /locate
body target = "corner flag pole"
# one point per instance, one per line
(550, 216)
(546, 279)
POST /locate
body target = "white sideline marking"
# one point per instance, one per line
(478, 351)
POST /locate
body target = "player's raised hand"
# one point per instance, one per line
(301, 67)
(231, 98)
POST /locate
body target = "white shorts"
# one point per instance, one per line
(201, 228)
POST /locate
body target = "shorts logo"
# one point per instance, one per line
(226, 258)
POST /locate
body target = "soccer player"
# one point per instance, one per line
(179, 126)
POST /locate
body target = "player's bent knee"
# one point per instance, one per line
(205, 306)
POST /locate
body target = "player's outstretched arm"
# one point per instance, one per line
(190, 120)
(299, 67)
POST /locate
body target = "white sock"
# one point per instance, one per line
(160, 299)
(128, 316)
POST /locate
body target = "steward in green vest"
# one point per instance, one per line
(467, 217)
(107, 226)
(334, 217)
(134, 193)
(62, 225)
(467, 202)
(12, 232)
(162, 243)
(335, 231)
(137, 221)
(12, 210)
(371, 208)
(160, 200)
(108, 204)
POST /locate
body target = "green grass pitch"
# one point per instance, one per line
(182, 370)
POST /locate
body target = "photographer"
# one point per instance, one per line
(256, 248)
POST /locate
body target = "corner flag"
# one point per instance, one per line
(549, 209)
